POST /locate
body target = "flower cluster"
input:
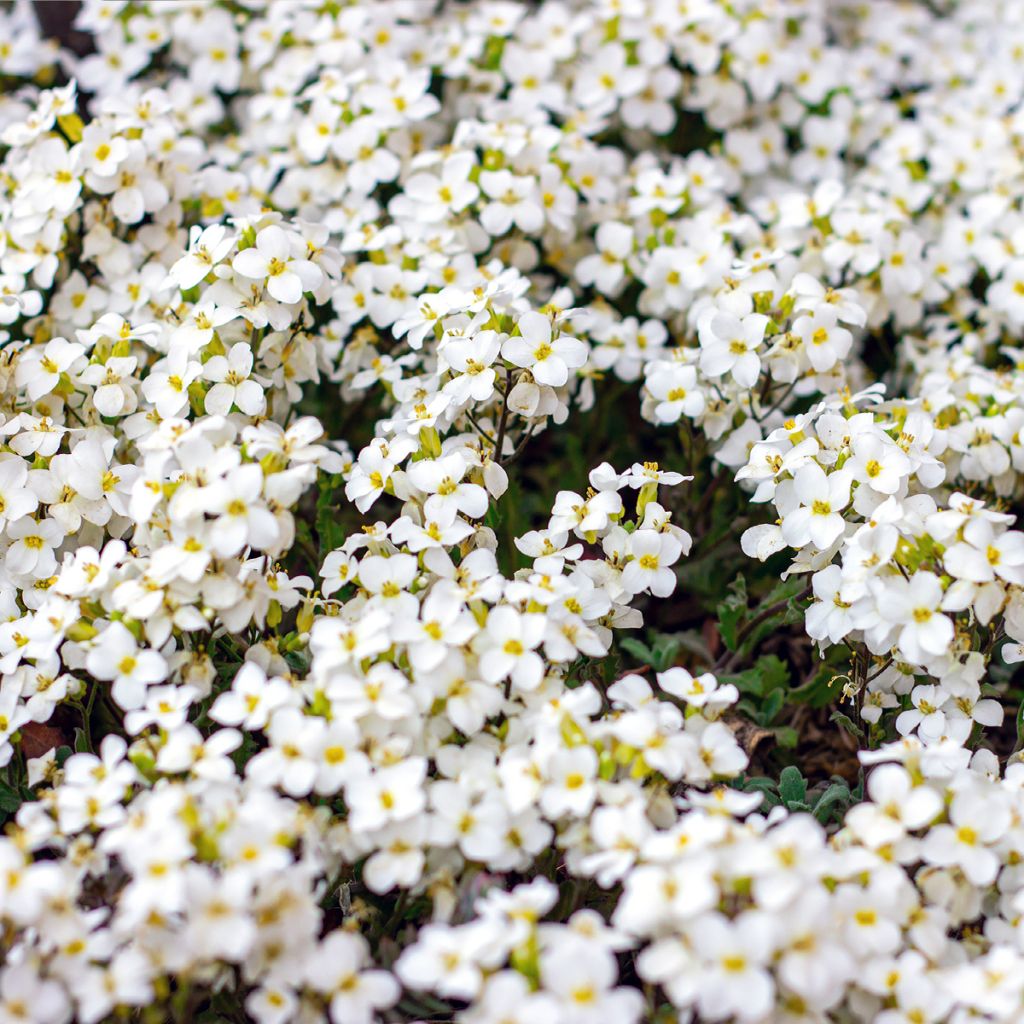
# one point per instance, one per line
(928, 590)
(364, 371)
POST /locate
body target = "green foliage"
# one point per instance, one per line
(827, 800)
(731, 610)
(330, 528)
(660, 655)
(10, 799)
(847, 723)
(769, 673)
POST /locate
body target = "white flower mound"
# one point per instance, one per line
(382, 795)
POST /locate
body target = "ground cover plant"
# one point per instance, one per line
(508, 512)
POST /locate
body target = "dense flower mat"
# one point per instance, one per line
(507, 512)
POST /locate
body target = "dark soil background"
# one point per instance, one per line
(56, 18)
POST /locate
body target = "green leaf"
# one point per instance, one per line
(759, 783)
(769, 673)
(330, 532)
(791, 613)
(771, 707)
(795, 612)
(786, 737)
(731, 610)
(10, 799)
(749, 709)
(664, 651)
(847, 723)
(819, 690)
(751, 680)
(692, 641)
(792, 785)
(768, 788)
(774, 672)
(638, 649)
(784, 588)
(728, 621)
(493, 517)
(835, 798)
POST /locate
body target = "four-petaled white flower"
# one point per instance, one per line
(280, 260)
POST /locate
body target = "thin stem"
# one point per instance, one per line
(709, 493)
(777, 404)
(480, 430)
(503, 422)
(521, 447)
(727, 661)
(87, 713)
(876, 674)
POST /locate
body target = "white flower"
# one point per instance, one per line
(914, 607)
(291, 759)
(443, 623)
(252, 698)
(605, 269)
(279, 259)
(39, 370)
(734, 955)
(442, 480)
(514, 199)
(818, 518)
(982, 556)
(701, 691)
(207, 248)
(16, 500)
(441, 960)
(116, 658)
(674, 387)
(338, 969)
(102, 151)
(472, 360)
(878, 463)
(649, 569)
(197, 329)
(387, 795)
(508, 647)
(336, 642)
(548, 359)
(592, 515)
(570, 789)
(507, 997)
(219, 920)
(186, 750)
(642, 474)
(438, 196)
(825, 342)
(896, 806)
(729, 345)
(233, 384)
(167, 388)
(974, 824)
(24, 993)
(31, 553)
(114, 393)
(831, 617)
(581, 977)
(242, 519)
